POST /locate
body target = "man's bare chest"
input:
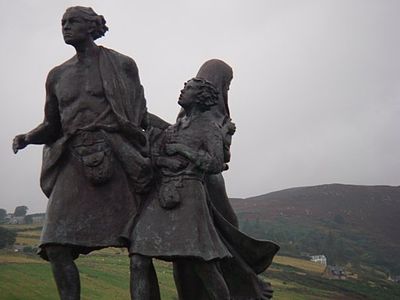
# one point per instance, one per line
(79, 82)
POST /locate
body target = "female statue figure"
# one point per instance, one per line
(176, 224)
(240, 272)
(246, 257)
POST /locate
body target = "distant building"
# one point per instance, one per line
(335, 272)
(321, 259)
(38, 218)
(16, 220)
(9, 216)
(395, 279)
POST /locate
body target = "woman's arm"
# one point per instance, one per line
(210, 158)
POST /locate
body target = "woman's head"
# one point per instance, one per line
(199, 92)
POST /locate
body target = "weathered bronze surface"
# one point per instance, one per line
(94, 158)
(250, 257)
(116, 175)
(187, 215)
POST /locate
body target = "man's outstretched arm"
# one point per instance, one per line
(48, 131)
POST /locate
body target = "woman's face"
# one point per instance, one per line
(188, 94)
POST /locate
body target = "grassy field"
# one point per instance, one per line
(105, 275)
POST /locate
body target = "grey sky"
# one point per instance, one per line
(315, 95)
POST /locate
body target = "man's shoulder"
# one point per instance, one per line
(57, 71)
(125, 63)
(119, 57)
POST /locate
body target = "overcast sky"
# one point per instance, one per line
(315, 95)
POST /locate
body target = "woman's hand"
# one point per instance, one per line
(171, 163)
(172, 149)
(229, 128)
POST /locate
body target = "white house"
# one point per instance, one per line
(321, 259)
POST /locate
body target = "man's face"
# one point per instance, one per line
(75, 28)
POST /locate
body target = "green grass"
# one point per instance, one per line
(25, 241)
(26, 281)
(30, 234)
(102, 277)
(302, 264)
(105, 275)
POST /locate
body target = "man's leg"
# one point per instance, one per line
(144, 282)
(65, 272)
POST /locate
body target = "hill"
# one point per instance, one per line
(105, 275)
(354, 224)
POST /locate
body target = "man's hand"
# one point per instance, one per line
(19, 142)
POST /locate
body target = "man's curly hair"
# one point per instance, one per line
(206, 94)
(89, 15)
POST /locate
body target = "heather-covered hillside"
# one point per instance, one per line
(351, 223)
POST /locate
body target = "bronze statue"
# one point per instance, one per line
(179, 221)
(240, 271)
(94, 158)
(176, 223)
(220, 74)
(98, 170)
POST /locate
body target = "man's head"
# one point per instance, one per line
(81, 23)
(200, 92)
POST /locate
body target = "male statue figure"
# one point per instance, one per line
(94, 158)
